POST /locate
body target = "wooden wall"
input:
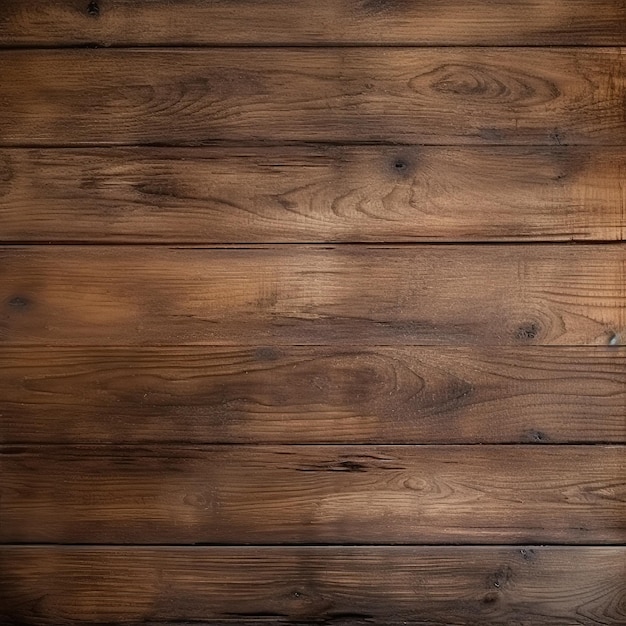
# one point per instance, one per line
(312, 312)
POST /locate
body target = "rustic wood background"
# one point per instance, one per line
(312, 312)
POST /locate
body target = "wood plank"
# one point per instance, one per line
(314, 295)
(315, 194)
(197, 22)
(313, 494)
(312, 395)
(345, 586)
(438, 95)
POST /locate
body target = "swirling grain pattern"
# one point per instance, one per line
(312, 394)
(315, 194)
(536, 96)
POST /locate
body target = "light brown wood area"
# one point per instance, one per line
(350, 295)
(314, 22)
(314, 494)
(342, 585)
(439, 96)
(208, 394)
(313, 193)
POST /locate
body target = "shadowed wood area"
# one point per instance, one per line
(316, 22)
(340, 586)
(315, 194)
(313, 395)
(436, 95)
(352, 295)
(313, 494)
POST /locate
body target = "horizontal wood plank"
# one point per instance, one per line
(314, 194)
(343, 586)
(312, 395)
(313, 494)
(282, 295)
(436, 95)
(319, 22)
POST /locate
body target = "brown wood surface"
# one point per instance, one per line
(435, 95)
(340, 586)
(313, 494)
(314, 194)
(312, 394)
(317, 22)
(281, 295)
(313, 344)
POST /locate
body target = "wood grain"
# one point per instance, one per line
(318, 22)
(315, 295)
(314, 194)
(313, 494)
(436, 95)
(312, 395)
(342, 586)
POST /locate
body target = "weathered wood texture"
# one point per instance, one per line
(317, 22)
(314, 194)
(435, 95)
(267, 387)
(313, 394)
(353, 295)
(313, 494)
(340, 586)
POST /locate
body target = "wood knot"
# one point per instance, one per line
(93, 9)
(500, 578)
(401, 166)
(537, 436)
(528, 331)
(19, 302)
(556, 137)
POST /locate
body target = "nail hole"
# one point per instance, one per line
(400, 165)
(93, 9)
